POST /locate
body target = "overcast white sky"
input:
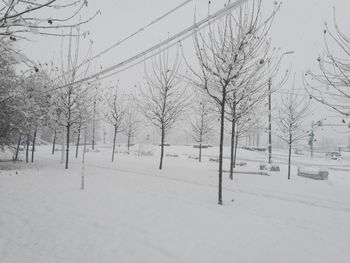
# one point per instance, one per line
(298, 27)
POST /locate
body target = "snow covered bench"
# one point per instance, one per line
(253, 148)
(242, 164)
(196, 146)
(216, 160)
(172, 155)
(248, 172)
(313, 173)
(270, 167)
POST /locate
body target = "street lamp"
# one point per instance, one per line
(270, 109)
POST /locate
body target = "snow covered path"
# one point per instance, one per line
(131, 212)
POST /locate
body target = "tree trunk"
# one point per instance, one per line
(18, 144)
(104, 136)
(236, 144)
(93, 127)
(222, 127)
(289, 155)
(129, 143)
(201, 137)
(33, 144)
(54, 143)
(67, 145)
(162, 149)
(27, 148)
(62, 146)
(68, 128)
(114, 140)
(84, 150)
(78, 141)
(232, 163)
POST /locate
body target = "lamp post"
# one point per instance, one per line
(270, 109)
(270, 124)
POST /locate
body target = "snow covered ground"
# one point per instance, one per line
(131, 212)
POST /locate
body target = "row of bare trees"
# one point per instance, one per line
(231, 81)
(329, 86)
(30, 100)
(165, 97)
(236, 62)
(122, 114)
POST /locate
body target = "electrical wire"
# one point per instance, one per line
(196, 26)
(140, 30)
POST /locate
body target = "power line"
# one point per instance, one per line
(197, 26)
(119, 42)
(140, 30)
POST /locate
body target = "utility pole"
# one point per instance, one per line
(270, 108)
(270, 123)
(83, 164)
(93, 126)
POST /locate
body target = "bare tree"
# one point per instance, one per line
(218, 60)
(292, 112)
(72, 100)
(23, 19)
(115, 114)
(231, 55)
(201, 124)
(243, 123)
(252, 86)
(131, 122)
(241, 104)
(83, 109)
(331, 84)
(274, 84)
(165, 98)
(79, 124)
(38, 104)
(242, 126)
(94, 117)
